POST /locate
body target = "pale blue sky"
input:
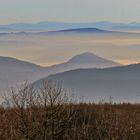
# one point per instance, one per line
(13, 11)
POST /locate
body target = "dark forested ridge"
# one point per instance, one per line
(121, 83)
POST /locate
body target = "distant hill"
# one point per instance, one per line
(14, 72)
(15, 63)
(83, 30)
(84, 60)
(120, 83)
(90, 58)
(76, 31)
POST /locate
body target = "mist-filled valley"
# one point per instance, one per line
(41, 54)
(48, 50)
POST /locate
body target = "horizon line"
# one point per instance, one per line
(68, 22)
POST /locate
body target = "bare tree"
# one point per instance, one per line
(58, 108)
(44, 113)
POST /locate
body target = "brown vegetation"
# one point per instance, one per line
(49, 114)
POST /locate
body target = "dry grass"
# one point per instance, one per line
(51, 115)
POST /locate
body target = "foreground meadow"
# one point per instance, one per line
(50, 114)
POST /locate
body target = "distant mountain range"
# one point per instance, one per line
(85, 75)
(119, 83)
(76, 31)
(14, 72)
(51, 26)
(66, 31)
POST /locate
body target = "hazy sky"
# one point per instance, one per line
(12, 11)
